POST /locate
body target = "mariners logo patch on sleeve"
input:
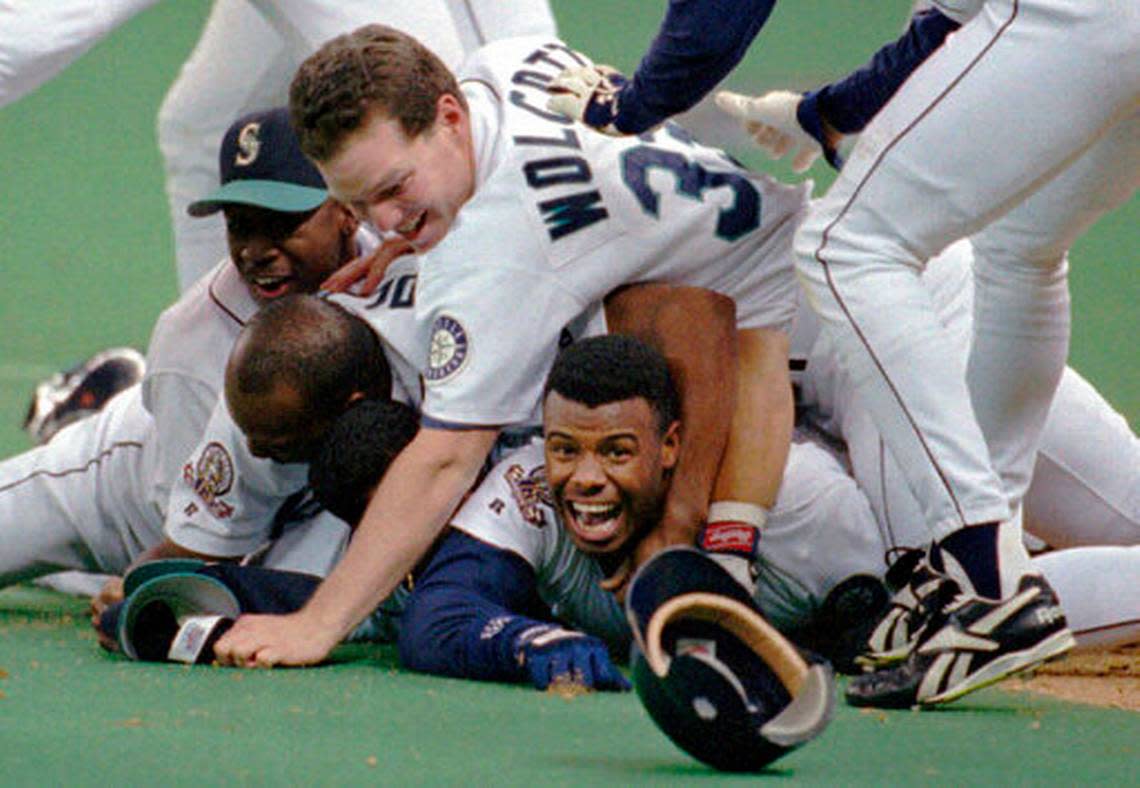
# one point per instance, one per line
(449, 348)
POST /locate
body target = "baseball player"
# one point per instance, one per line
(276, 433)
(265, 441)
(95, 496)
(1075, 498)
(1054, 145)
(530, 544)
(242, 62)
(595, 218)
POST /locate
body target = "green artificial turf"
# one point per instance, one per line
(87, 263)
(71, 714)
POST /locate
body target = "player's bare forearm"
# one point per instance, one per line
(695, 330)
(407, 512)
(762, 423)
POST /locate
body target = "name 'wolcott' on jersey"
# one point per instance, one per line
(563, 215)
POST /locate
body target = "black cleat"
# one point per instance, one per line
(911, 580)
(68, 396)
(967, 643)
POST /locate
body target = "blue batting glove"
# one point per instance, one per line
(552, 655)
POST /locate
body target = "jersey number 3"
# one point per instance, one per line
(692, 180)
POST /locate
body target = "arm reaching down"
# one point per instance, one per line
(695, 329)
(406, 514)
(475, 614)
(815, 122)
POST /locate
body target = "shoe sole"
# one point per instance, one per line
(1055, 646)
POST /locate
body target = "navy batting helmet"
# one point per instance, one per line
(716, 677)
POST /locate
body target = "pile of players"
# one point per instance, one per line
(570, 337)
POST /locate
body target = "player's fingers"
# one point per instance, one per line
(372, 281)
(804, 159)
(346, 276)
(734, 104)
(567, 104)
(781, 145)
(234, 648)
(265, 657)
(762, 134)
(107, 642)
(369, 268)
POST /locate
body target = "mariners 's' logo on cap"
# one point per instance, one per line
(449, 347)
(249, 144)
(212, 477)
(531, 492)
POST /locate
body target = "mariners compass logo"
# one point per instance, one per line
(449, 348)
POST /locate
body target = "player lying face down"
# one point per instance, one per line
(284, 390)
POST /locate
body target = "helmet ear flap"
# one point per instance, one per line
(715, 677)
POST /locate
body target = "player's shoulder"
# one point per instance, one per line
(199, 328)
(517, 488)
(507, 55)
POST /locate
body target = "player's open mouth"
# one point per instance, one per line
(411, 229)
(595, 522)
(270, 287)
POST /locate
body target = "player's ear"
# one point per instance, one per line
(671, 445)
(349, 224)
(449, 111)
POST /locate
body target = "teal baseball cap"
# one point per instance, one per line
(261, 164)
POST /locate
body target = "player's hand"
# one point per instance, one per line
(109, 594)
(772, 123)
(367, 269)
(553, 655)
(262, 641)
(588, 94)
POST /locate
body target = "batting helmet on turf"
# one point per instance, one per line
(176, 609)
(716, 677)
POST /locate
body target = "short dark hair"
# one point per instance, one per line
(356, 452)
(374, 67)
(320, 349)
(612, 368)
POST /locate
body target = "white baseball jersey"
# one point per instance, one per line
(563, 215)
(84, 499)
(96, 496)
(186, 362)
(225, 500)
(243, 61)
(1019, 132)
